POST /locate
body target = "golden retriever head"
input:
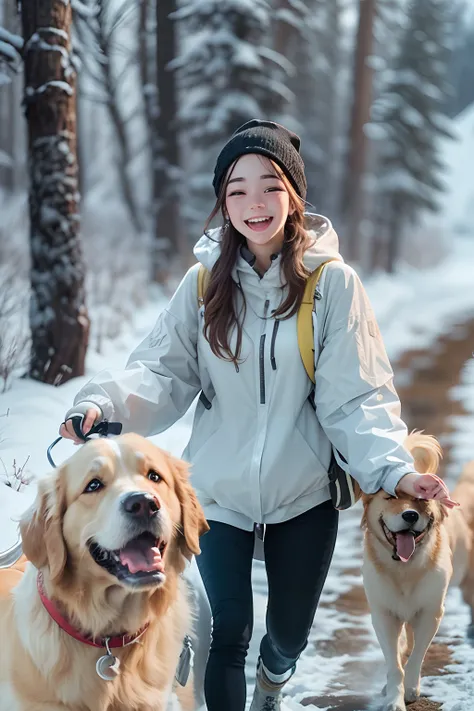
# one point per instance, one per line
(400, 524)
(118, 512)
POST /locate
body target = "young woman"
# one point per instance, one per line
(262, 439)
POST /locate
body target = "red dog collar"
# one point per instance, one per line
(122, 640)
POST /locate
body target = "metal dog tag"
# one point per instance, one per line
(185, 662)
(108, 667)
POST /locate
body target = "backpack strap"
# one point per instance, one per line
(304, 321)
(203, 283)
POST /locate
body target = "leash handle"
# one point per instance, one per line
(102, 428)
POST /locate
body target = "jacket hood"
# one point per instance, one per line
(325, 244)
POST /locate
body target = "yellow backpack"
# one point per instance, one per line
(345, 491)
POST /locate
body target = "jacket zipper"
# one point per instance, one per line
(272, 348)
(261, 355)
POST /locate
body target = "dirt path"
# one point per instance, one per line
(424, 380)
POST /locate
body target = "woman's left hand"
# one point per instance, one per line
(426, 486)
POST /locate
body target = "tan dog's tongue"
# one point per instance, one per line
(141, 558)
(405, 545)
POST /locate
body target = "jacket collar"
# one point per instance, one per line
(324, 246)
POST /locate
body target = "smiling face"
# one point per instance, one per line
(257, 201)
(400, 524)
(118, 512)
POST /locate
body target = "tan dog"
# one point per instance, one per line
(413, 549)
(110, 533)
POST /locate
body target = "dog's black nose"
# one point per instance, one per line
(140, 505)
(410, 516)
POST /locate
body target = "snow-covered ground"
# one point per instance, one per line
(413, 308)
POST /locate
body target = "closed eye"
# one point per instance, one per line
(154, 476)
(389, 497)
(267, 190)
(93, 485)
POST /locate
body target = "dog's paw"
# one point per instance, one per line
(397, 706)
(412, 694)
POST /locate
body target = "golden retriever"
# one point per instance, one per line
(413, 549)
(108, 538)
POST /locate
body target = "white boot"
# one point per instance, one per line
(267, 695)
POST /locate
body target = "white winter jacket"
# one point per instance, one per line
(259, 448)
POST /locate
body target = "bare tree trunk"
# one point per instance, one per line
(394, 235)
(103, 75)
(334, 127)
(7, 111)
(58, 315)
(147, 75)
(283, 40)
(170, 241)
(124, 158)
(353, 201)
(150, 97)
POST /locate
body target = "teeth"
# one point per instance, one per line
(103, 556)
(258, 219)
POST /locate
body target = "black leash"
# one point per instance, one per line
(102, 428)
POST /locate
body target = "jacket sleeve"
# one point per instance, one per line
(356, 402)
(161, 378)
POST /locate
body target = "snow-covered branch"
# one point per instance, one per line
(11, 46)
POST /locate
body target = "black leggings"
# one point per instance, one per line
(298, 553)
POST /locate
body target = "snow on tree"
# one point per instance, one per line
(58, 316)
(408, 120)
(226, 69)
(318, 56)
(225, 66)
(10, 53)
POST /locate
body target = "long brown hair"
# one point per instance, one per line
(220, 298)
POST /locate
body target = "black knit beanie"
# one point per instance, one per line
(268, 139)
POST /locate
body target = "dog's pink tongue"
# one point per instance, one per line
(405, 545)
(139, 558)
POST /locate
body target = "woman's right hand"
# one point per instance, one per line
(67, 431)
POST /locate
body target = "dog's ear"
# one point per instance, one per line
(41, 526)
(366, 499)
(194, 522)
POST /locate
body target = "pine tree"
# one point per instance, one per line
(318, 57)
(408, 121)
(225, 66)
(226, 75)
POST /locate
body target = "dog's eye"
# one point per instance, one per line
(389, 498)
(154, 476)
(93, 485)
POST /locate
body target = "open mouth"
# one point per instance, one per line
(404, 542)
(259, 224)
(139, 562)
